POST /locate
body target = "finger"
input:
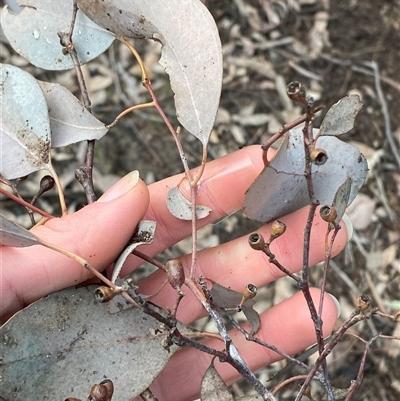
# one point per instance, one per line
(222, 189)
(235, 264)
(97, 233)
(288, 326)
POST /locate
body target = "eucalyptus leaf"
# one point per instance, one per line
(11, 234)
(213, 387)
(144, 236)
(70, 122)
(226, 298)
(33, 33)
(181, 208)
(340, 117)
(281, 188)
(62, 344)
(191, 53)
(24, 124)
(341, 199)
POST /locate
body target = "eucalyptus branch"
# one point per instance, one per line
(305, 285)
(235, 360)
(328, 256)
(66, 42)
(176, 135)
(149, 259)
(353, 319)
(25, 203)
(272, 259)
(249, 337)
(129, 110)
(360, 374)
(231, 354)
(286, 382)
(60, 192)
(285, 128)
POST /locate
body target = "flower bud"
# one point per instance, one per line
(46, 183)
(328, 214)
(277, 229)
(363, 302)
(318, 156)
(175, 273)
(256, 241)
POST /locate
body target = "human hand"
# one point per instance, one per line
(99, 232)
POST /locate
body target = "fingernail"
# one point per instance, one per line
(338, 307)
(120, 188)
(349, 226)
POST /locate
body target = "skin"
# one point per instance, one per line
(99, 232)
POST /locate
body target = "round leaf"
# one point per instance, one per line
(181, 208)
(191, 53)
(70, 122)
(24, 124)
(340, 117)
(281, 188)
(65, 342)
(33, 34)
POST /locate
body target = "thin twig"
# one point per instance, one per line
(252, 338)
(353, 319)
(305, 286)
(328, 256)
(272, 259)
(351, 64)
(25, 203)
(149, 259)
(285, 128)
(129, 110)
(356, 384)
(60, 192)
(286, 382)
(66, 42)
(385, 111)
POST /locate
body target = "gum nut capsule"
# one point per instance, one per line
(318, 156)
(105, 294)
(175, 273)
(248, 293)
(328, 214)
(296, 91)
(256, 241)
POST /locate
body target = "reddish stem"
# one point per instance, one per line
(26, 204)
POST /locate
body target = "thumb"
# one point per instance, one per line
(97, 233)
